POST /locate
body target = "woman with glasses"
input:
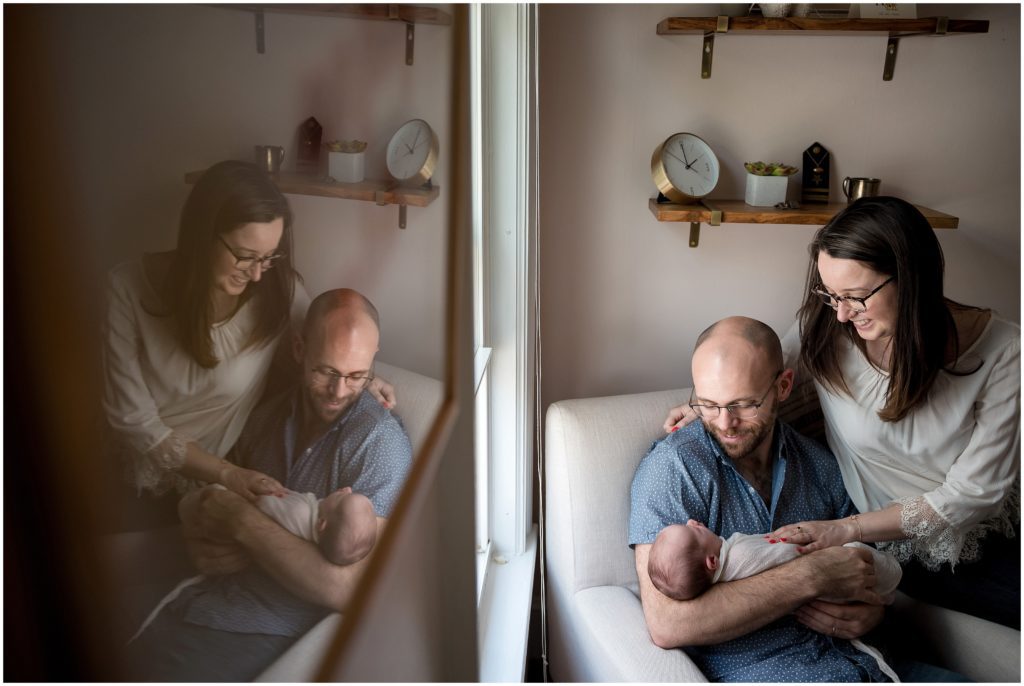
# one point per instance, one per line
(191, 334)
(921, 401)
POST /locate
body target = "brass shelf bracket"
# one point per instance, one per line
(260, 46)
(394, 14)
(708, 48)
(892, 46)
(715, 220)
(384, 197)
(410, 42)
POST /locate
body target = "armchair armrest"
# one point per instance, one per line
(980, 650)
(616, 645)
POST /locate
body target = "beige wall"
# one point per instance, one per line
(623, 297)
(151, 92)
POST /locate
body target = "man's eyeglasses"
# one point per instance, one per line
(328, 377)
(857, 305)
(245, 263)
(738, 410)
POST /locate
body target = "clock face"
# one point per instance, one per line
(412, 152)
(689, 166)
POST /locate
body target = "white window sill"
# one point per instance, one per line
(503, 614)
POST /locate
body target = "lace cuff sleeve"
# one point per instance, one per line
(933, 541)
(156, 470)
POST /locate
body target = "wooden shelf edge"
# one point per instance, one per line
(738, 212)
(695, 25)
(412, 14)
(380, 192)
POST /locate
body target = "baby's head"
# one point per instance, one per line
(683, 560)
(347, 526)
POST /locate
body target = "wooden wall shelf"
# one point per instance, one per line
(380, 192)
(895, 29)
(738, 212)
(410, 15)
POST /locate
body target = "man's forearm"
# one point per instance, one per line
(296, 563)
(726, 610)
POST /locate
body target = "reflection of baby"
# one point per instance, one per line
(343, 524)
(686, 559)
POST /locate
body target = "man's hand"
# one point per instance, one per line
(844, 575)
(841, 621)
(208, 519)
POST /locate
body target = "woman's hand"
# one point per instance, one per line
(383, 392)
(811, 536)
(678, 417)
(248, 483)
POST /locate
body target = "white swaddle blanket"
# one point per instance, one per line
(744, 555)
(297, 512)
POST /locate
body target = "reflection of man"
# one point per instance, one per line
(739, 470)
(321, 435)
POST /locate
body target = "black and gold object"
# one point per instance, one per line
(817, 163)
(308, 157)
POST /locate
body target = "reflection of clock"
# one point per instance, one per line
(412, 152)
(684, 168)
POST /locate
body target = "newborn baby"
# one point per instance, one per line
(686, 559)
(343, 525)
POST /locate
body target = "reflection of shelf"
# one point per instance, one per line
(410, 15)
(789, 26)
(738, 212)
(380, 192)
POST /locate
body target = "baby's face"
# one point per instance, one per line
(332, 500)
(708, 543)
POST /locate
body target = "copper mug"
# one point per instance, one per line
(855, 187)
(269, 157)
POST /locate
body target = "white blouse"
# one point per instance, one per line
(157, 397)
(952, 463)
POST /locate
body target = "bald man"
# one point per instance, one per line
(265, 587)
(741, 470)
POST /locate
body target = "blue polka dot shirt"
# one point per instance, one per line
(686, 476)
(365, 448)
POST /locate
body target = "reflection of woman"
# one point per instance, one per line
(191, 334)
(921, 399)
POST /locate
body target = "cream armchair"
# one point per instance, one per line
(596, 628)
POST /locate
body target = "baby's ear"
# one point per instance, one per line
(712, 562)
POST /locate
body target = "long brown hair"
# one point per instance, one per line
(893, 238)
(228, 195)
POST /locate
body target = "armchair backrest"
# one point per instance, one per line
(592, 449)
(419, 399)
